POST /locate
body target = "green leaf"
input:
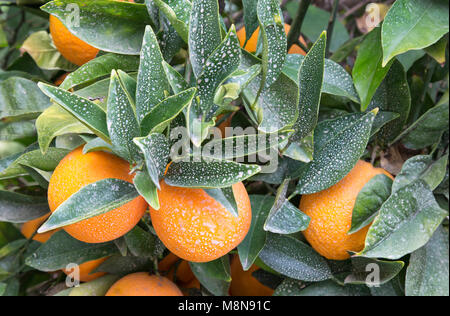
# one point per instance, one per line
(285, 218)
(255, 239)
(427, 273)
(176, 80)
(412, 25)
(178, 13)
(277, 106)
(41, 48)
(61, 249)
(369, 200)
(325, 288)
(302, 150)
(208, 174)
(339, 144)
(437, 50)
(55, 121)
(368, 72)
(204, 33)
(250, 17)
(428, 129)
(222, 62)
(12, 247)
(422, 167)
(96, 144)
(406, 222)
(94, 199)
(121, 119)
(225, 197)
(156, 150)
(381, 120)
(294, 259)
(21, 99)
(365, 269)
(163, 113)
(120, 265)
(146, 188)
(274, 39)
(310, 78)
(20, 208)
(393, 95)
(214, 275)
(140, 242)
(111, 26)
(84, 110)
(97, 287)
(152, 82)
(100, 67)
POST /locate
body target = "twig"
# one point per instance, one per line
(355, 9)
(330, 27)
(296, 26)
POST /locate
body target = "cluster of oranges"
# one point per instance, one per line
(192, 225)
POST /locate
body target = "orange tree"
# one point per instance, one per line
(340, 187)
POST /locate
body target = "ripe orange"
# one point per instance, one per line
(243, 283)
(195, 227)
(71, 47)
(86, 268)
(30, 227)
(331, 214)
(61, 78)
(253, 41)
(76, 171)
(144, 284)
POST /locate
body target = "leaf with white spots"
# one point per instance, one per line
(310, 82)
(121, 117)
(156, 150)
(338, 146)
(427, 273)
(140, 242)
(219, 65)
(285, 218)
(208, 174)
(406, 222)
(96, 144)
(225, 197)
(176, 80)
(204, 33)
(93, 199)
(277, 106)
(215, 275)
(250, 17)
(368, 72)
(87, 112)
(178, 13)
(412, 25)
(274, 39)
(364, 268)
(20, 208)
(294, 259)
(100, 67)
(146, 188)
(62, 249)
(255, 239)
(163, 113)
(422, 167)
(369, 200)
(152, 83)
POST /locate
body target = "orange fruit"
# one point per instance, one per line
(144, 284)
(331, 214)
(30, 227)
(61, 78)
(71, 47)
(76, 171)
(170, 263)
(253, 41)
(243, 283)
(86, 268)
(195, 227)
(226, 123)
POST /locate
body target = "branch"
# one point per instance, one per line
(330, 27)
(296, 26)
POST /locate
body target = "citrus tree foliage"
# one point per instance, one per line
(362, 90)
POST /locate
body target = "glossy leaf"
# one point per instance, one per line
(225, 197)
(176, 80)
(178, 13)
(412, 25)
(369, 200)
(97, 287)
(101, 23)
(20, 208)
(406, 222)
(368, 72)
(255, 239)
(285, 218)
(93, 199)
(327, 288)
(84, 110)
(62, 249)
(140, 242)
(250, 17)
(294, 259)
(146, 188)
(338, 145)
(204, 33)
(364, 269)
(214, 275)
(208, 173)
(152, 84)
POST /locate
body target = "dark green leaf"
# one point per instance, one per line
(20, 208)
(225, 197)
(373, 272)
(140, 242)
(146, 188)
(286, 219)
(214, 275)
